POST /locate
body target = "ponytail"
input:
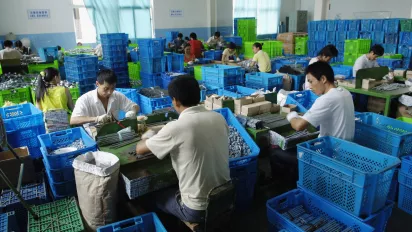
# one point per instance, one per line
(44, 81)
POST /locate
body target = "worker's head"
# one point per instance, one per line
(185, 92)
(257, 47)
(193, 36)
(79, 44)
(375, 52)
(59, 48)
(187, 49)
(327, 53)
(217, 35)
(18, 44)
(8, 44)
(231, 46)
(48, 77)
(321, 77)
(106, 83)
(180, 36)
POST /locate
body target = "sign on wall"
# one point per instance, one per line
(38, 14)
(176, 13)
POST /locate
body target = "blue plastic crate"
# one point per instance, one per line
(341, 47)
(83, 81)
(236, 91)
(204, 61)
(151, 80)
(344, 70)
(312, 26)
(59, 175)
(303, 100)
(354, 177)
(366, 24)
(332, 25)
(391, 63)
(207, 90)
(148, 105)
(265, 79)
(378, 37)
(377, 24)
(390, 48)
(76, 77)
(116, 55)
(405, 38)
(134, 55)
(27, 137)
(352, 35)
(62, 189)
(406, 166)
(320, 45)
(405, 192)
(314, 208)
(110, 60)
(383, 134)
(222, 75)
(87, 88)
(232, 121)
(311, 45)
(391, 38)
(21, 117)
(365, 35)
(391, 25)
(322, 25)
(147, 223)
(171, 35)
(263, 87)
(150, 48)
(33, 194)
(56, 140)
(407, 63)
(297, 81)
(175, 62)
(340, 58)
(340, 36)
(168, 77)
(81, 59)
(153, 65)
(113, 36)
(353, 25)
(108, 48)
(393, 190)
(213, 54)
(245, 176)
(8, 222)
(320, 36)
(342, 25)
(80, 69)
(48, 54)
(129, 93)
(234, 39)
(331, 36)
(312, 35)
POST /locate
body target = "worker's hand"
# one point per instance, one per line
(292, 115)
(105, 118)
(148, 134)
(131, 114)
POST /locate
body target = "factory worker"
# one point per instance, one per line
(229, 53)
(368, 60)
(325, 55)
(196, 46)
(261, 58)
(198, 146)
(104, 103)
(8, 53)
(333, 111)
(215, 41)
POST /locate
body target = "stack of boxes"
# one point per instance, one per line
(152, 62)
(288, 40)
(82, 69)
(354, 49)
(245, 28)
(265, 81)
(115, 56)
(405, 43)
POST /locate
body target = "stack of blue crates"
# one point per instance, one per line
(237, 40)
(131, 94)
(23, 123)
(148, 222)
(152, 61)
(115, 56)
(83, 70)
(175, 62)
(405, 185)
(405, 48)
(8, 222)
(222, 76)
(48, 54)
(266, 81)
(170, 36)
(58, 163)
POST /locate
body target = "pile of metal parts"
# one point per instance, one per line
(272, 121)
(250, 122)
(246, 65)
(298, 134)
(56, 120)
(154, 92)
(30, 59)
(237, 145)
(78, 51)
(389, 87)
(309, 222)
(78, 144)
(119, 139)
(13, 80)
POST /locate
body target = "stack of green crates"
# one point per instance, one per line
(17, 96)
(355, 48)
(392, 56)
(37, 68)
(272, 47)
(134, 73)
(198, 72)
(301, 45)
(246, 28)
(406, 25)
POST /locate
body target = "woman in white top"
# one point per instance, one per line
(229, 53)
(325, 55)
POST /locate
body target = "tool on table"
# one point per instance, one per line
(118, 139)
(117, 121)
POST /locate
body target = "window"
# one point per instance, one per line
(266, 12)
(83, 25)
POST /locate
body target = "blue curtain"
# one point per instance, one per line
(115, 16)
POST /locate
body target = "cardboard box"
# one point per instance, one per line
(376, 105)
(289, 37)
(11, 167)
(289, 48)
(347, 83)
(408, 74)
(256, 108)
(275, 108)
(265, 107)
(288, 108)
(241, 102)
(209, 105)
(399, 72)
(258, 98)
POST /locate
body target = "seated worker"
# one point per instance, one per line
(8, 53)
(229, 53)
(188, 55)
(177, 44)
(261, 58)
(49, 95)
(196, 46)
(368, 60)
(102, 104)
(198, 146)
(333, 111)
(22, 49)
(215, 41)
(325, 55)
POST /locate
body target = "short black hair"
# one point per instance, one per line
(217, 33)
(232, 45)
(8, 44)
(319, 69)
(59, 48)
(329, 51)
(180, 35)
(377, 50)
(193, 36)
(258, 45)
(18, 44)
(186, 90)
(108, 76)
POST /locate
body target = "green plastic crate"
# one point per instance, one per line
(61, 215)
(301, 39)
(16, 96)
(406, 25)
(134, 70)
(392, 56)
(198, 72)
(301, 48)
(37, 68)
(1, 70)
(248, 51)
(251, 23)
(75, 92)
(357, 46)
(350, 58)
(257, 135)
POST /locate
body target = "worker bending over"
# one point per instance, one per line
(229, 53)
(333, 111)
(198, 146)
(261, 58)
(104, 103)
(368, 60)
(325, 55)
(215, 41)
(8, 53)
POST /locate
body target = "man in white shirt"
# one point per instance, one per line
(8, 53)
(198, 146)
(325, 55)
(215, 41)
(369, 60)
(333, 111)
(104, 103)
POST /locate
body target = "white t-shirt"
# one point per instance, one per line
(212, 41)
(9, 53)
(334, 113)
(307, 84)
(363, 62)
(198, 146)
(89, 105)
